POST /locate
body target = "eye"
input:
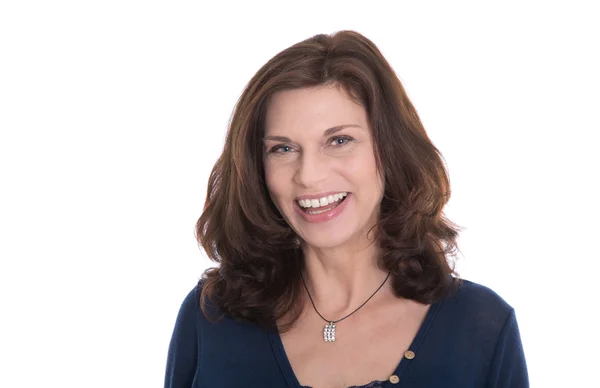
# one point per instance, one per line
(341, 140)
(278, 147)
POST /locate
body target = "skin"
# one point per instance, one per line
(341, 270)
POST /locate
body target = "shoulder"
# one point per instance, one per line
(471, 294)
(473, 334)
(476, 307)
(190, 309)
(470, 322)
(191, 302)
(205, 314)
(215, 326)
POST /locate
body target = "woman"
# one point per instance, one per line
(325, 214)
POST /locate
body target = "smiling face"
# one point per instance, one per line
(318, 146)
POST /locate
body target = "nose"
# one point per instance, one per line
(312, 169)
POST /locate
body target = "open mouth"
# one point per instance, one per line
(322, 205)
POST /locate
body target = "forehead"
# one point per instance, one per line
(312, 108)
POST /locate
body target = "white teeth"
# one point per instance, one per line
(324, 201)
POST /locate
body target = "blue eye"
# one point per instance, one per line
(278, 147)
(334, 141)
(337, 140)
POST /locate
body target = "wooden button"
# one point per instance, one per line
(409, 354)
(394, 379)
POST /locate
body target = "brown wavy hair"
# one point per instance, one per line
(258, 279)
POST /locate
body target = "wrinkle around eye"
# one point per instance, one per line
(332, 143)
(274, 149)
(336, 138)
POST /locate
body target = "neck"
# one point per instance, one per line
(339, 280)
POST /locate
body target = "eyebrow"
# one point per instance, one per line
(328, 132)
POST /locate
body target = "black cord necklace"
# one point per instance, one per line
(329, 330)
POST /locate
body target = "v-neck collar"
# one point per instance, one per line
(292, 380)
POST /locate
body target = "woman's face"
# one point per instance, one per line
(318, 146)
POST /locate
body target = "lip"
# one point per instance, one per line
(323, 217)
(321, 195)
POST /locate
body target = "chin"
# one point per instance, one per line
(325, 241)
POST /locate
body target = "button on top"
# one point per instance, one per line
(394, 379)
(409, 354)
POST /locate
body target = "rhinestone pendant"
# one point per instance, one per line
(329, 332)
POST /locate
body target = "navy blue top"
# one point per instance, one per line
(470, 339)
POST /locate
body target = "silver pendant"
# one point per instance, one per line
(329, 332)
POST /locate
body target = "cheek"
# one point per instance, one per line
(361, 166)
(362, 171)
(275, 183)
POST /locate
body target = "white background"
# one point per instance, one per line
(112, 114)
